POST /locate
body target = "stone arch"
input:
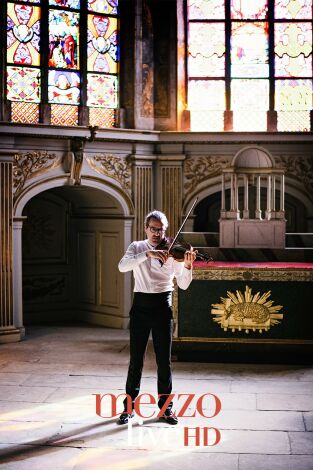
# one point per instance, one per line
(122, 199)
(33, 190)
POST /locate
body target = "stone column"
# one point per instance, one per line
(8, 330)
(281, 213)
(246, 197)
(273, 196)
(258, 212)
(232, 193)
(143, 191)
(223, 207)
(169, 189)
(236, 192)
(282, 193)
(127, 277)
(268, 212)
(17, 274)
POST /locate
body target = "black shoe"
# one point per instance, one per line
(169, 417)
(123, 419)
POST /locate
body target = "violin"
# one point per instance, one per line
(177, 250)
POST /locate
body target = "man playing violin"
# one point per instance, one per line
(153, 272)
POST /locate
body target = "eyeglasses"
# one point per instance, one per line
(156, 230)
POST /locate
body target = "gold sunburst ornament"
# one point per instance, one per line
(245, 311)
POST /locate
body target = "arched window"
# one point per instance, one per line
(61, 62)
(249, 65)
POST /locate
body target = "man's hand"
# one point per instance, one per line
(190, 256)
(162, 255)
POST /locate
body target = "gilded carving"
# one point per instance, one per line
(27, 165)
(115, 167)
(242, 274)
(300, 168)
(199, 169)
(245, 311)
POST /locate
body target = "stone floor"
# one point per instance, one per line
(48, 414)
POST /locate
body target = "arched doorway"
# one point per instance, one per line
(73, 238)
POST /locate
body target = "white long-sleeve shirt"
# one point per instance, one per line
(150, 276)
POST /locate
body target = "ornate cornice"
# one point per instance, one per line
(298, 167)
(115, 167)
(29, 164)
(199, 169)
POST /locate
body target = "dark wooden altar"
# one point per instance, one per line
(246, 312)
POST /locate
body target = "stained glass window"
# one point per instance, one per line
(23, 86)
(293, 50)
(102, 62)
(201, 92)
(102, 44)
(247, 9)
(249, 50)
(77, 67)
(206, 50)
(65, 3)
(23, 34)
(63, 39)
(103, 6)
(292, 9)
(260, 54)
(293, 102)
(63, 87)
(102, 91)
(249, 102)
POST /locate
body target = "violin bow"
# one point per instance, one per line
(182, 225)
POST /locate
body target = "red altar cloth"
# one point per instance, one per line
(256, 264)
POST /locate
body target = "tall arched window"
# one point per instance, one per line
(249, 65)
(62, 62)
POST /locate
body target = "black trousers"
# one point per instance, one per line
(150, 312)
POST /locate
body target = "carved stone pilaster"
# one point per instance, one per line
(143, 191)
(8, 332)
(170, 189)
